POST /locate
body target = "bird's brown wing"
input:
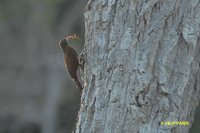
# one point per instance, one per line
(72, 65)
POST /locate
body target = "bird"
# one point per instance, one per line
(71, 59)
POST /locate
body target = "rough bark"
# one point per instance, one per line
(142, 66)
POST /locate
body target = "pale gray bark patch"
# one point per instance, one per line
(142, 66)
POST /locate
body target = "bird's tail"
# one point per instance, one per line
(78, 84)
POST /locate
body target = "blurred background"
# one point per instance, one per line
(36, 93)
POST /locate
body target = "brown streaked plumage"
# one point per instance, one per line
(71, 61)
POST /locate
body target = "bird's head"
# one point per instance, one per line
(63, 43)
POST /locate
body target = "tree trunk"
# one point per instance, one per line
(142, 66)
